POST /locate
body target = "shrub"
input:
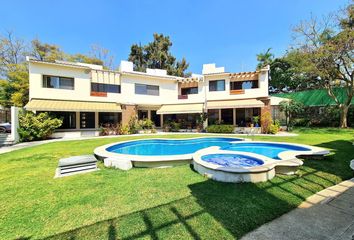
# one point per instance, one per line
(266, 122)
(273, 129)
(145, 124)
(133, 125)
(220, 129)
(175, 126)
(34, 127)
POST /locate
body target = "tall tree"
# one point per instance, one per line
(137, 56)
(326, 49)
(46, 52)
(157, 54)
(100, 53)
(12, 52)
(265, 58)
(84, 59)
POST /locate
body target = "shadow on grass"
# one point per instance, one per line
(217, 210)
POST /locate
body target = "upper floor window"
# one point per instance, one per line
(191, 90)
(147, 89)
(216, 85)
(101, 87)
(58, 82)
(244, 85)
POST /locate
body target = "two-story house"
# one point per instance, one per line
(87, 96)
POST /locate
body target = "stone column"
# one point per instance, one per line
(127, 112)
(14, 124)
(96, 120)
(149, 114)
(77, 116)
(234, 116)
(219, 115)
(161, 120)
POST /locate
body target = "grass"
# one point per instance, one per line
(173, 203)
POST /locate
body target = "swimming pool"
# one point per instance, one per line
(271, 150)
(163, 147)
(161, 152)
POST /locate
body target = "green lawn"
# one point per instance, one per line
(173, 203)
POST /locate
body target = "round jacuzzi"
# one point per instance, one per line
(233, 166)
(232, 160)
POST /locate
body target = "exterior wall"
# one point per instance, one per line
(260, 92)
(168, 87)
(82, 87)
(168, 91)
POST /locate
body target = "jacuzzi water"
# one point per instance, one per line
(266, 149)
(232, 160)
(160, 147)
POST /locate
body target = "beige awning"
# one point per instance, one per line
(247, 103)
(71, 106)
(181, 108)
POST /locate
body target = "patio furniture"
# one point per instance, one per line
(75, 165)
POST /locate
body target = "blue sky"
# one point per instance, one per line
(227, 32)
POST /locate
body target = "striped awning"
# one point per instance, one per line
(181, 108)
(71, 106)
(246, 103)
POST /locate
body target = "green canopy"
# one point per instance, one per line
(317, 97)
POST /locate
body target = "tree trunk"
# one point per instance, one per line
(343, 116)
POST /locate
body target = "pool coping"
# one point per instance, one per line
(102, 152)
(287, 158)
(268, 165)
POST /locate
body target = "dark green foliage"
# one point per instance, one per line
(290, 108)
(222, 128)
(157, 55)
(36, 127)
(264, 59)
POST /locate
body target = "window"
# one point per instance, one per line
(156, 118)
(213, 116)
(101, 87)
(109, 118)
(58, 82)
(147, 89)
(243, 85)
(227, 116)
(142, 114)
(68, 118)
(191, 90)
(217, 85)
(87, 120)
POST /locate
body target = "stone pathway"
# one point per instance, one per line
(329, 214)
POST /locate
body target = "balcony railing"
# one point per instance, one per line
(182, 96)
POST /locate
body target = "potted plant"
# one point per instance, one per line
(256, 121)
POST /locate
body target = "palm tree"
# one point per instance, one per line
(264, 59)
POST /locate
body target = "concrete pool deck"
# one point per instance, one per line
(328, 214)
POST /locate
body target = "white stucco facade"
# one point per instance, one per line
(171, 89)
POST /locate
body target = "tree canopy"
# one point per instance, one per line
(14, 82)
(157, 55)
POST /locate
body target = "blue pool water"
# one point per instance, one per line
(266, 149)
(159, 147)
(232, 160)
